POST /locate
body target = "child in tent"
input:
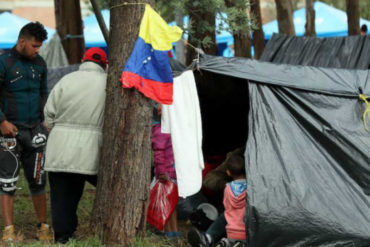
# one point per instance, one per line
(234, 202)
(164, 169)
(233, 217)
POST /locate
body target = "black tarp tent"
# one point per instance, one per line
(307, 155)
(350, 52)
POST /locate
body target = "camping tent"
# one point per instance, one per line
(329, 22)
(10, 25)
(307, 158)
(350, 52)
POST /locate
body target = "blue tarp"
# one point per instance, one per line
(92, 32)
(10, 25)
(329, 22)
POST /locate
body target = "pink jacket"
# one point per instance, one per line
(163, 155)
(234, 214)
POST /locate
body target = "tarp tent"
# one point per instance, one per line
(350, 52)
(10, 25)
(307, 156)
(329, 22)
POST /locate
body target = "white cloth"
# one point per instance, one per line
(183, 120)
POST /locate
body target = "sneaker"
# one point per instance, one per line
(9, 233)
(239, 244)
(223, 243)
(44, 233)
(197, 238)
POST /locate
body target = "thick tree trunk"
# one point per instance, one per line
(200, 17)
(284, 12)
(310, 19)
(258, 36)
(120, 206)
(69, 27)
(242, 45)
(353, 17)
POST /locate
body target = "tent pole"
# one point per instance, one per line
(100, 19)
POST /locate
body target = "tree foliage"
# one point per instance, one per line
(237, 16)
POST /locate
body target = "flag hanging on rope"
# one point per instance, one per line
(148, 68)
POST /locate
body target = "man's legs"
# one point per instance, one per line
(32, 158)
(9, 171)
(39, 203)
(7, 205)
(65, 193)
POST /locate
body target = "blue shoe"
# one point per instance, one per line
(172, 234)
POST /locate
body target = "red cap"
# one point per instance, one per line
(97, 55)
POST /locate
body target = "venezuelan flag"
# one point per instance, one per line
(148, 68)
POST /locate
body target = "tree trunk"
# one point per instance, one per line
(120, 206)
(180, 47)
(310, 19)
(242, 45)
(69, 27)
(198, 18)
(100, 19)
(258, 36)
(353, 17)
(284, 13)
(242, 42)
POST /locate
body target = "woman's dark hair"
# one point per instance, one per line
(33, 29)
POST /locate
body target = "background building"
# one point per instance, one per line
(38, 10)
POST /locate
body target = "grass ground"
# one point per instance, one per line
(25, 222)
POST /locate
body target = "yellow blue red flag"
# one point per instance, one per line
(148, 68)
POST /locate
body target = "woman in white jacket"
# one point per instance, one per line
(74, 113)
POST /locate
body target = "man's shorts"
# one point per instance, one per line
(26, 150)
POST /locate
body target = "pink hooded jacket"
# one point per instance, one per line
(163, 154)
(234, 214)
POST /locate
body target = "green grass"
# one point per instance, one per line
(25, 222)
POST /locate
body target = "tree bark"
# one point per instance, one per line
(198, 18)
(120, 206)
(69, 27)
(284, 12)
(242, 44)
(258, 36)
(353, 17)
(310, 19)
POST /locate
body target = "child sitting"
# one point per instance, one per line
(234, 202)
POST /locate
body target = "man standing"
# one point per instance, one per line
(23, 93)
(75, 114)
